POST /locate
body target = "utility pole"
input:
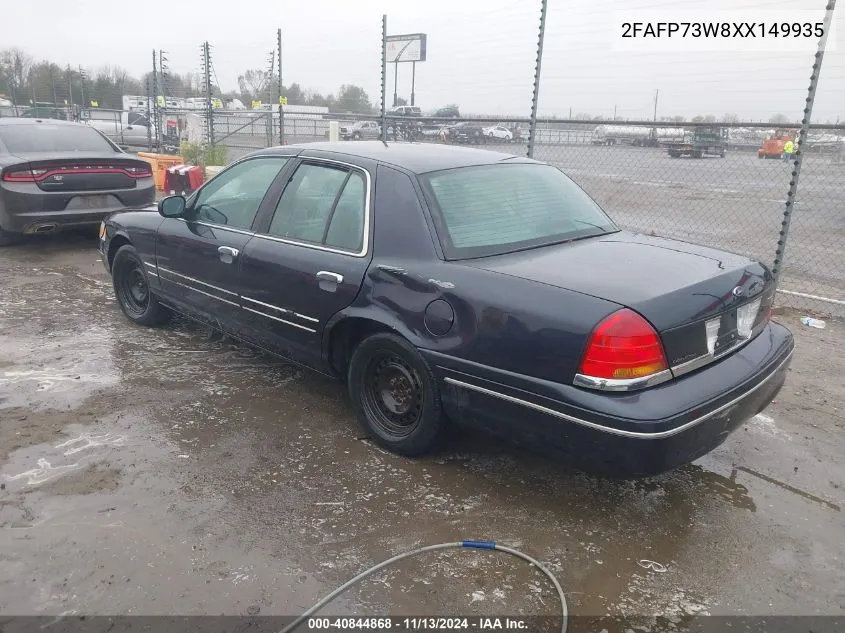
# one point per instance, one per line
(614, 112)
(413, 79)
(395, 82)
(70, 85)
(53, 84)
(82, 84)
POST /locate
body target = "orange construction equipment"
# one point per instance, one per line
(160, 163)
(773, 146)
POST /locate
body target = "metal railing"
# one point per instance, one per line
(731, 195)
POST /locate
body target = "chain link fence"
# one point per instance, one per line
(724, 185)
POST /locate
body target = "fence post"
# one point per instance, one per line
(383, 77)
(156, 110)
(281, 107)
(532, 127)
(789, 208)
(149, 119)
(209, 105)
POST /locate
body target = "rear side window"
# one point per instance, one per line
(323, 204)
(46, 137)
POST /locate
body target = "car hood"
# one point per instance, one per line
(671, 283)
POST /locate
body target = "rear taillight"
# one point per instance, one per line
(37, 174)
(623, 346)
(19, 175)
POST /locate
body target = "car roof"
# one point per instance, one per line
(418, 158)
(35, 121)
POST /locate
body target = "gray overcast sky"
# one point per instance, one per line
(480, 52)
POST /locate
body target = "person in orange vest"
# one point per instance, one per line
(788, 149)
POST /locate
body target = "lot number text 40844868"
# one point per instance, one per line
(419, 623)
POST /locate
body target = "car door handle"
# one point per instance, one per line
(227, 254)
(327, 275)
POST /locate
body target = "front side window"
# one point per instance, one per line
(233, 197)
(495, 209)
(324, 205)
(136, 118)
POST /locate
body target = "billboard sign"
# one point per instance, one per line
(406, 48)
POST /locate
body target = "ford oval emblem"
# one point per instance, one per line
(737, 292)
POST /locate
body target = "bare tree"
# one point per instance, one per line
(16, 65)
(254, 81)
(779, 119)
(730, 118)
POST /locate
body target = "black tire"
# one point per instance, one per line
(132, 289)
(356, 136)
(395, 395)
(7, 238)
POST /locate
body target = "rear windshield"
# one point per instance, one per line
(46, 137)
(497, 209)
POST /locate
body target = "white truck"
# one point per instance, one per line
(639, 135)
(130, 128)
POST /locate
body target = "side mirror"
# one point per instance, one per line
(172, 206)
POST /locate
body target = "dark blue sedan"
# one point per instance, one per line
(455, 285)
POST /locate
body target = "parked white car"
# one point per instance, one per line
(499, 132)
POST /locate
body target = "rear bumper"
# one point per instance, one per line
(37, 211)
(624, 435)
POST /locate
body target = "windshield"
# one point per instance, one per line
(46, 137)
(497, 209)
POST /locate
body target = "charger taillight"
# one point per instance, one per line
(22, 175)
(623, 346)
(37, 174)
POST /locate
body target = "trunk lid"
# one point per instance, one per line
(681, 289)
(81, 171)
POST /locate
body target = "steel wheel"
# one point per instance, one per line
(393, 394)
(133, 290)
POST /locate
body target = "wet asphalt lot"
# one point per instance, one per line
(171, 472)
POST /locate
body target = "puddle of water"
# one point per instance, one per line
(44, 472)
(32, 466)
(56, 348)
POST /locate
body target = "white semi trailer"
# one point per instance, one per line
(639, 135)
